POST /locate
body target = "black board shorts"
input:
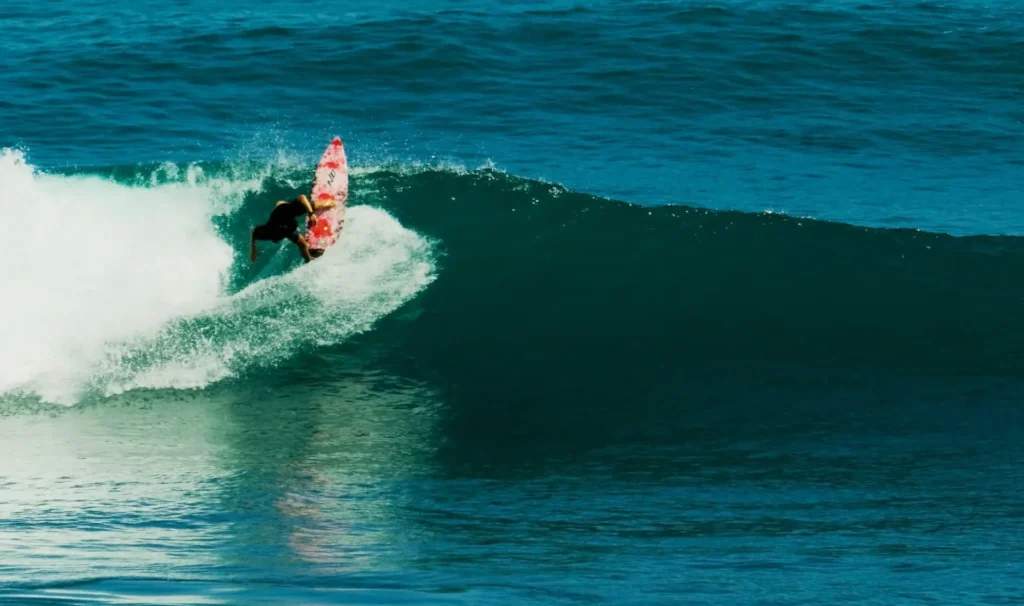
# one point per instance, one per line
(275, 232)
(282, 225)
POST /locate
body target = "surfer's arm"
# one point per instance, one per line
(323, 205)
(303, 248)
(304, 201)
(306, 204)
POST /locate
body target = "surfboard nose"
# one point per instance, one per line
(337, 141)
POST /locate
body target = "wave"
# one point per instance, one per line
(143, 283)
(557, 282)
(140, 281)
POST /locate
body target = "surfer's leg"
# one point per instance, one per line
(252, 247)
(262, 232)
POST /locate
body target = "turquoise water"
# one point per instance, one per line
(639, 303)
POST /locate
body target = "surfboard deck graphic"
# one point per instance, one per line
(330, 183)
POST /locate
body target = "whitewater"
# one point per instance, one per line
(110, 287)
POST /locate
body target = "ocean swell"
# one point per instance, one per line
(534, 289)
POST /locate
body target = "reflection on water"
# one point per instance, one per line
(367, 486)
(256, 480)
(331, 464)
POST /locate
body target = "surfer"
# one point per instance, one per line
(283, 223)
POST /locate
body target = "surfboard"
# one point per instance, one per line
(330, 183)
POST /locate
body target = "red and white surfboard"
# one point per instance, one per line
(330, 183)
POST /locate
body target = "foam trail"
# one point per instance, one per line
(374, 268)
(109, 287)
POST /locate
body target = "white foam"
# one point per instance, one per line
(374, 268)
(108, 288)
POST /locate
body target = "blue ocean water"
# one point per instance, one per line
(638, 303)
